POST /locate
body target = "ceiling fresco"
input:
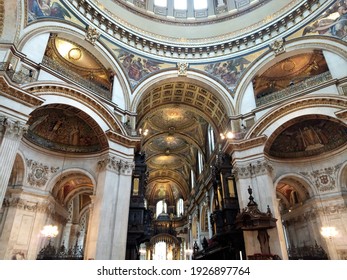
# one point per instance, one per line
(307, 137)
(64, 128)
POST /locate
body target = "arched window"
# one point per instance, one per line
(211, 139)
(180, 4)
(200, 162)
(160, 3)
(192, 179)
(161, 207)
(200, 4)
(180, 207)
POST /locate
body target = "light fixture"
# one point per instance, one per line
(227, 135)
(50, 231)
(328, 232)
(143, 132)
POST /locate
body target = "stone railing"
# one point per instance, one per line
(19, 77)
(294, 89)
(77, 79)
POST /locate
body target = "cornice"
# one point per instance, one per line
(255, 39)
(12, 92)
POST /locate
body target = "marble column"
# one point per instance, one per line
(107, 231)
(11, 133)
(258, 175)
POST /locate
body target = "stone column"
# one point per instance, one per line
(11, 133)
(258, 175)
(108, 225)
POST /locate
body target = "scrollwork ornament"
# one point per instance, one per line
(92, 35)
(39, 173)
(182, 68)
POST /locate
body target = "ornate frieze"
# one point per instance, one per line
(324, 179)
(118, 165)
(260, 167)
(38, 173)
(43, 207)
(12, 129)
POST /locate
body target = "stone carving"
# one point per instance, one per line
(43, 207)
(278, 46)
(182, 68)
(39, 173)
(252, 169)
(114, 164)
(12, 129)
(92, 35)
(324, 179)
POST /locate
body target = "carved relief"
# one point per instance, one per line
(92, 35)
(278, 46)
(39, 173)
(182, 68)
(252, 169)
(11, 129)
(114, 164)
(324, 179)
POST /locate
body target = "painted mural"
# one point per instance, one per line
(309, 138)
(136, 67)
(38, 9)
(333, 22)
(61, 130)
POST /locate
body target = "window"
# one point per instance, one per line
(211, 139)
(200, 162)
(160, 3)
(200, 4)
(161, 207)
(180, 207)
(192, 179)
(180, 4)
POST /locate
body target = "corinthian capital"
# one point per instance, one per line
(257, 168)
(118, 165)
(12, 129)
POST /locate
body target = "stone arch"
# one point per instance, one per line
(214, 93)
(18, 172)
(77, 35)
(327, 105)
(54, 93)
(294, 190)
(292, 47)
(342, 177)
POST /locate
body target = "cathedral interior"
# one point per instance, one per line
(173, 129)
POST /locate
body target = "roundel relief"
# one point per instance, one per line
(308, 138)
(63, 130)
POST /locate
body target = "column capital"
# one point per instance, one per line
(253, 168)
(12, 129)
(115, 164)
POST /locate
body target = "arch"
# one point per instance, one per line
(77, 34)
(342, 177)
(18, 171)
(301, 184)
(326, 105)
(57, 181)
(292, 47)
(55, 93)
(198, 81)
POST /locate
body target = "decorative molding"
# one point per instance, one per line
(118, 165)
(92, 35)
(278, 46)
(232, 145)
(39, 173)
(342, 114)
(182, 68)
(16, 202)
(324, 179)
(12, 129)
(284, 109)
(261, 167)
(18, 95)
